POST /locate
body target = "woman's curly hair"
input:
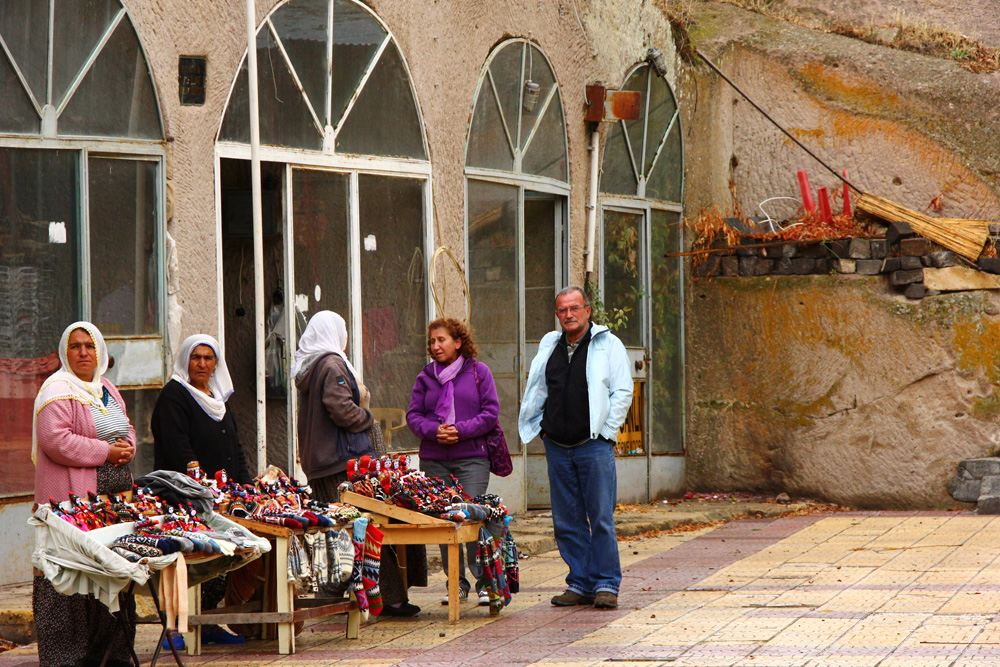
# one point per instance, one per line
(457, 330)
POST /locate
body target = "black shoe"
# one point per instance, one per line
(403, 609)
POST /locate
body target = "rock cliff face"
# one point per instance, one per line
(832, 386)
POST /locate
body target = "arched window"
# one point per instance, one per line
(81, 206)
(641, 188)
(346, 204)
(516, 193)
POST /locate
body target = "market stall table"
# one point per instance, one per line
(282, 608)
(402, 526)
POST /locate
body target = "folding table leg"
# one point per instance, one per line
(400, 552)
(284, 596)
(120, 626)
(353, 619)
(163, 633)
(192, 638)
(453, 583)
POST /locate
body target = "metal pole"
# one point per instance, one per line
(258, 235)
(595, 165)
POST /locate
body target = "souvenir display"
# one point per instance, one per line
(391, 480)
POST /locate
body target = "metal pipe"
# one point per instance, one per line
(592, 202)
(775, 123)
(258, 234)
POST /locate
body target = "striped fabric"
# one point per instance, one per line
(110, 426)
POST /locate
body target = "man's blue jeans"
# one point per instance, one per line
(583, 486)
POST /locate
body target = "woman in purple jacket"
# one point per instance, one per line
(453, 406)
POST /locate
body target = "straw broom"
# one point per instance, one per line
(965, 237)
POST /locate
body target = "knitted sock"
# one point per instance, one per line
(345, 554)
(357, 584)
(369, 571)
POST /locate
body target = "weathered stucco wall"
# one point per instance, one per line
(832, 386)
(445, 45)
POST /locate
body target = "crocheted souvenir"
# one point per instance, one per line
(357, 584)
(369, 570)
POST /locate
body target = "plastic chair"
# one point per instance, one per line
(390, 419)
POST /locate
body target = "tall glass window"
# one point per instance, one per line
(517, 187)
(641, 188)
(340, 121)
(80, 218)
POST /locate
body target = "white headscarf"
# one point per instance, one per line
(220, 384)
(65, 385)
(325, 333)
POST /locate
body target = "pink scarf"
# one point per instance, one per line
(445, 409)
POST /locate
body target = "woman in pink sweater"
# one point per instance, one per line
(82, 441)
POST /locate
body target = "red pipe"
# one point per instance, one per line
(807, 198)
(824, 206)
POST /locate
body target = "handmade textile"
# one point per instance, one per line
(357, 581)
(494, 579)
(372, 557)
(220, 384)
(173, 594)
(445, 408)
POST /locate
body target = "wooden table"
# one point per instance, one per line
(280, 608)
(403, 526)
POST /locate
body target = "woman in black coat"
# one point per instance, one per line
(191, 421)
(192, 425)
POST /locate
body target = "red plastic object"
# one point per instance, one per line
(807, 197)
(847, 196)
(824, 205)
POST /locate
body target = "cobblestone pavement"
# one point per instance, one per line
(879, 589)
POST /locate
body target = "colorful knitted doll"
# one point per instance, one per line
(369, 571)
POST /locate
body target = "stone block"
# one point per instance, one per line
(772, 252)
(909, 263)
(789, 250)
(899, 278)
(925, 260)
(838, 248)
(860, 249)
(823, 266)
(994, 230)
(915, 291)
(989, 264)
(730, 266)
(966, 490)
(979, 468)
(932, 292)
(898, 230)
(988, 505)
(764, 267)
(845, 265)
(959, 279)
(748, 265)
(890, 264)
(803, 265)
(813, 251)
(879, 248)
(783, 267)
(712, 266)
(869, 267)
(942, 259)
(990, 486)
(748, 252)
(914, 247)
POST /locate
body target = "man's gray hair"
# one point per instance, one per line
(573, 288)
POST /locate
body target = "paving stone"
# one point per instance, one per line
(783, 267)
(764, 267)
(890, 264)
(981, 467)
(879, 248)
(899, 278)
(772, 251)
(730, 266)
(803, 265)
(989, 264)
(988, 505)
(789, 250)
(860, 249)
(898, 230)
(712, 266)
(965, 490)
(748, 252)
(942, 258)
(907, 263)
(869, 267)
(914, 247)
(915, 291)
(839, 248)
(748, 266)
(813, 251)
(845, 265)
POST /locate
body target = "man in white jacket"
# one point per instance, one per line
(578, 394)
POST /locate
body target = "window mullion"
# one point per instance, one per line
(328, 106)
(84, 215)
(354, 225)
(49, 56)
(361, 84)
(295, 77)
(503, 118)
(20, 76)
(538, 120)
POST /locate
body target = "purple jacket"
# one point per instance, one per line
(474, 418)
